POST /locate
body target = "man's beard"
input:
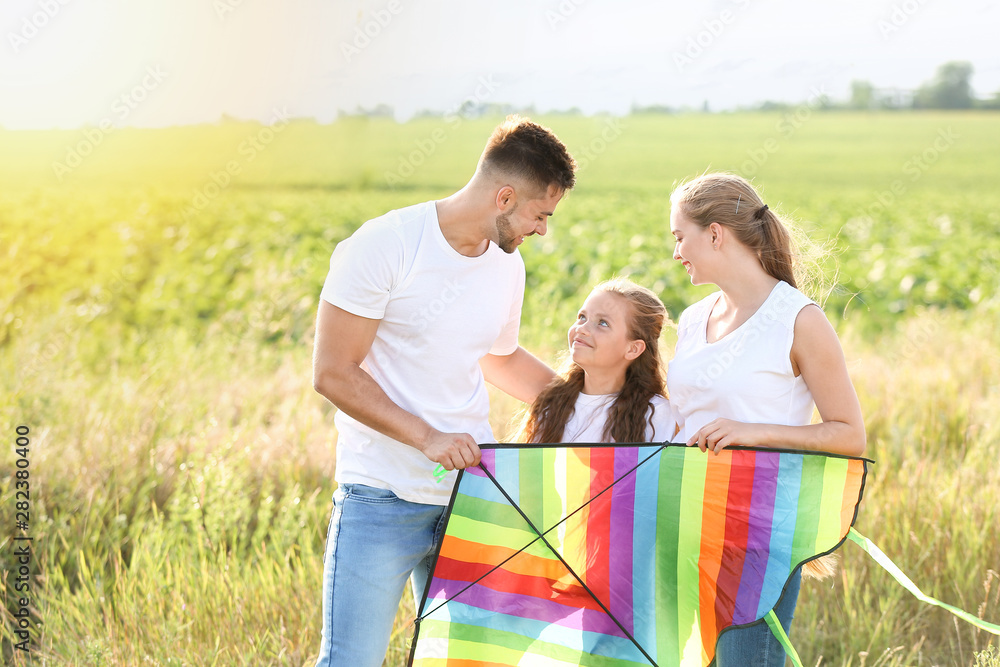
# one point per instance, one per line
(506, 238)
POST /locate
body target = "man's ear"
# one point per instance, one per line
(635, 349)
(506, 197)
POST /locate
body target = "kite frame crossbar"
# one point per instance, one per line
(541, 536)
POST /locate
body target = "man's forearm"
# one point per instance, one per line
(358, 395)
(354, 392)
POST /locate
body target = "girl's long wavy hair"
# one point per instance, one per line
(547, 417)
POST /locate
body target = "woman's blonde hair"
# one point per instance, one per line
(784, 251)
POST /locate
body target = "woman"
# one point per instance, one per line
(753, 358)
(611, 389)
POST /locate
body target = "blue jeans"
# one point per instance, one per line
(375, 542)
(755, 646)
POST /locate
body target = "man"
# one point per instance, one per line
(420, 305)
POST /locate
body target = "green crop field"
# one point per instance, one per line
(157, 297)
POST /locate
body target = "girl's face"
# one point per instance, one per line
(693, 247)
(599, 339)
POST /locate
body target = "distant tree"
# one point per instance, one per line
(771, 105)
(991, 103)
(950, 88)
(572, 111)
(862, 95)
(893, 98)
(380, 111)
(651, 109)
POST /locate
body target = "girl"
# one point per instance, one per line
(611, 389)
(753, 358)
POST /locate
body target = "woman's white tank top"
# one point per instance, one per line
(747, 375)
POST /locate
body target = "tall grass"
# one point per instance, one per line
(932, 502)
(181, 504)
(179, 507)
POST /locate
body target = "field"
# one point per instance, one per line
(157, 296)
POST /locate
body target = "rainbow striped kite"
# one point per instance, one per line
(615, 556)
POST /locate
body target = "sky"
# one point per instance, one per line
(68, 63)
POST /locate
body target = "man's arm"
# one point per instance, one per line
(520, 374)
(342, 342)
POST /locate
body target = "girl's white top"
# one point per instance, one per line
(747, 375)
(591, 412)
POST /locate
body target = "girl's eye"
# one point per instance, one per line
(580, 317)
(604, 323)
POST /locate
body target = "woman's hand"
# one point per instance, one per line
(720, 433)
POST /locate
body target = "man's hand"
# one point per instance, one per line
(453, 451)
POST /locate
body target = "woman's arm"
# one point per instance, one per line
(818, 357)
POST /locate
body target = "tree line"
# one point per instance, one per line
(949, 89)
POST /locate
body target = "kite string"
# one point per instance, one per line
(879, 557)
(779, 634)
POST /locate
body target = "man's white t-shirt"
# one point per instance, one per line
(590, 413)
(440, 312)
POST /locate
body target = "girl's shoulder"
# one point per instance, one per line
(663, 421)
(659, 400)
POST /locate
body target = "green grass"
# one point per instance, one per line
(158, 346)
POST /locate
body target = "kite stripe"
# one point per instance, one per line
(713, 524)
(621, 560)
(761, 514)
(734, 549)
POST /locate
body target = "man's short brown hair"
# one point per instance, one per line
(530, 152)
